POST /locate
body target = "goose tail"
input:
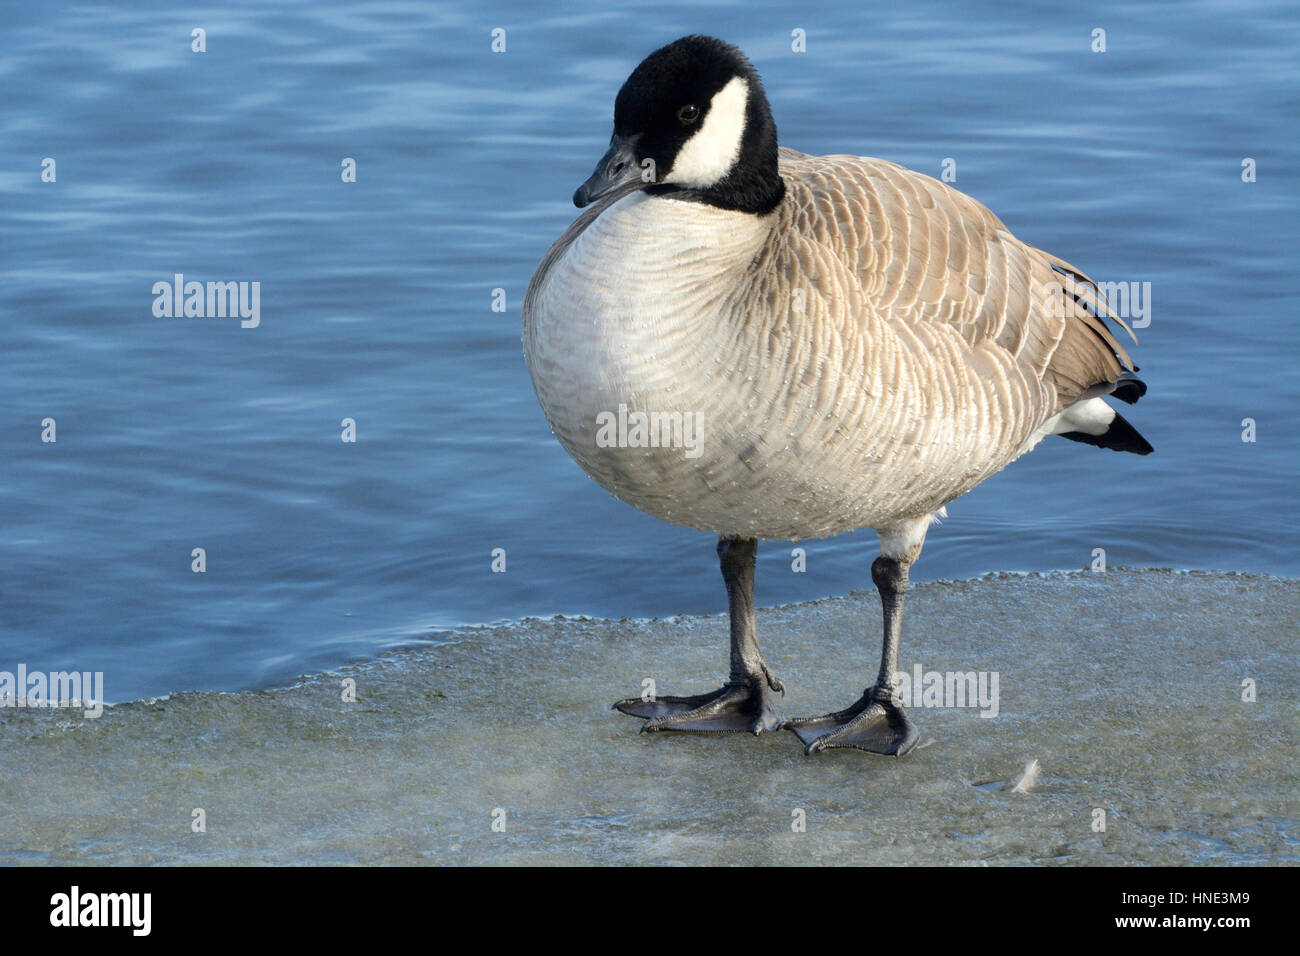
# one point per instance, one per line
(1093, 422)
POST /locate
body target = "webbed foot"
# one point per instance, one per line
(875, 723)
(736, 707)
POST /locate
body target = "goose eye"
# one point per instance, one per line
(688, 114)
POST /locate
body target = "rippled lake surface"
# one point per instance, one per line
(376, 305)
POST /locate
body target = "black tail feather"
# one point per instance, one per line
(1129, 388)
(1120, 436)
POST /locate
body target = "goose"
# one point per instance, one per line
(740, 338)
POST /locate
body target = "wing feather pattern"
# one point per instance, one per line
(927, 255)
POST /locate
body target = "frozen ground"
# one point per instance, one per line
(1125, 686)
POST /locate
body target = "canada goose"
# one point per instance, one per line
(852, 344)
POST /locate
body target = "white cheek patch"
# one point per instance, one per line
(709, 155)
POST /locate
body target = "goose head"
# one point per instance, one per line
(693, 122)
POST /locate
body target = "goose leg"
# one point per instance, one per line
(743, 704)
(875, 722)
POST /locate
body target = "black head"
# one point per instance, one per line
(693, 121)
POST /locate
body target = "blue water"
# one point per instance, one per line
(376, 305)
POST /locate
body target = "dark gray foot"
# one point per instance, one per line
(742, 707)
(876, 725)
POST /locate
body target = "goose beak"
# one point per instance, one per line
(617, 169)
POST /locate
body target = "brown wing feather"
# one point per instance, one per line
(928, 254)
